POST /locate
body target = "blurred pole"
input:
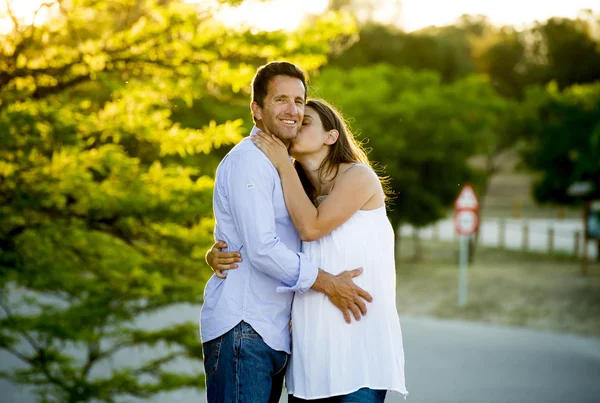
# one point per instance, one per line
(417, 247)
(516, 208)
(502, 233)
(525, 236)
(550, 240)
(454, 235)
(462, 273)
(584, 260)
(436, 232)
(577, 241)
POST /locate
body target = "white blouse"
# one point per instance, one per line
(329, 356)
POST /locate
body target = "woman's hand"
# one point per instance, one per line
(221, 261)
(273, 148)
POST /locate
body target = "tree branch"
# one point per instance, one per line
(44, 367)
(43, 5)
(154, 364)
(41, 354)
(42, 92)
(17, 354)
(12, 16)
(10, 317)
(93, 356)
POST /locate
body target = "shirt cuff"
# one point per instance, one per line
(306, 278)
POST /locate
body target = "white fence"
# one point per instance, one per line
(536, 235)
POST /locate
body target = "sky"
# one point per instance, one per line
(22, 9)
(415, 14)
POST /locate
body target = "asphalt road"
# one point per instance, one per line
(449, 361)
(459, 362)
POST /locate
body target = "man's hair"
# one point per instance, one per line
(266, 73)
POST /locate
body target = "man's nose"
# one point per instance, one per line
(291, 108)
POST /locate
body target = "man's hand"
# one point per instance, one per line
(221, 261)
(343, 293)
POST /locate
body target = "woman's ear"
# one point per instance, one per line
(332, 137)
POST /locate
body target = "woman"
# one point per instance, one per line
(337, 204)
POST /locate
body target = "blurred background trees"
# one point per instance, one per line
(114, 115)
(562, 132)
(420, 129)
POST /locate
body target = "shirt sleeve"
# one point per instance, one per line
(250, 186)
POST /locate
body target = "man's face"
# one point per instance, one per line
(283, 108)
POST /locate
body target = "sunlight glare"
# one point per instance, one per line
(410, 15)
(270, 15)
(422, 13)
(24, 12)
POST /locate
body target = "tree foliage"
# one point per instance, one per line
(563, 140)
(421, 130)
(114, 113)
(446, 52)
(514, 61)
(547, 52)
(105, 201)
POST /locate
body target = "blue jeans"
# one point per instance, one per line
(240, 367)
(364, 395)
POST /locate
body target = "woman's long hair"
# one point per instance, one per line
(345, 150)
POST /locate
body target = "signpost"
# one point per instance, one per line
(466, 222)
(591, 217)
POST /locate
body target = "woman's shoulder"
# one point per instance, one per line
(361, 178)
(356, 171)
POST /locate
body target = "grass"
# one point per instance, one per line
(505, 287)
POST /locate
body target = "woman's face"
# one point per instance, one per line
(311, 137)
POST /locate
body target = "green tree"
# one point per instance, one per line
(421, 130)
(500, 54)
(105, 198)
(446, 51)
(563, 140)
(564, 42)
(547, 52)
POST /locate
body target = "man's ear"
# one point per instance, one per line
(332, 137)
(256, 110)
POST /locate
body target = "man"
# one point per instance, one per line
(245, 317)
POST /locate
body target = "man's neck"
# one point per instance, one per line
(264, 129)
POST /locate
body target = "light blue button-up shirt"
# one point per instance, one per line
(251, 217)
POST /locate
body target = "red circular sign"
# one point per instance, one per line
(466, 222)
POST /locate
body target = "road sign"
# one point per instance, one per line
(466, 200)
(466, 222)
(466, 219)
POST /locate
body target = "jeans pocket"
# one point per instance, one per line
(284, 359)
(211, 349)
